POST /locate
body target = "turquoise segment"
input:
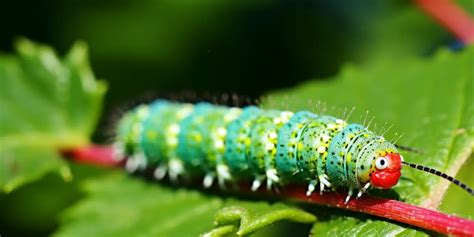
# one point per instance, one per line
(201, 142)
(289, 136)
(353, 151)
(152, 135)
(336, 164)
(214, 131)
(259, 140)
(238, 141)
(129, 130)
(191, 137)
(159, 138)
(314, 144)
(264, 138)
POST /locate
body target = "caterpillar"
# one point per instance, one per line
(231, 144)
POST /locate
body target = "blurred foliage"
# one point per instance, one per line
(46, 103)
(121, 206)
(249, 47)
(215, 46)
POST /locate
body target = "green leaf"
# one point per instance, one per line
(118, 205)
(25, 164)
(121, 206)
(248, 217)
(47, 103)
(429, 101)
(455, 201)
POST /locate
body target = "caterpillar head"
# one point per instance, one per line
(387, 171)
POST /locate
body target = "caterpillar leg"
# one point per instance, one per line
(311, 187)
(160, 172)
(348, 196)
(176, 168)
(257, 183)
(363, 190)
(208, 180)
(135, 162)
(119, 151)
(223, 174)
(323, 182)
(272, 178)
(131, 165)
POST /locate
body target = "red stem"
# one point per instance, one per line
(451, 16)
(381, 207)
(93, 155)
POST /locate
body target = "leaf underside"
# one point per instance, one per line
(163, 211)
(47, 103)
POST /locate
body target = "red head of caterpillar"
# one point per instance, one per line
(387, 171)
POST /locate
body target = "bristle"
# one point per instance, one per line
(442, 175)
(409, 149)
(349, 114)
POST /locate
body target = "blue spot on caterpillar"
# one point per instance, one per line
(230, 144)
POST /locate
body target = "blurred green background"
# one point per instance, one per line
(155, 47)
(248, 47)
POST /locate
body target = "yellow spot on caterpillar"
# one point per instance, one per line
(142, 112)
(269, 146)
(321, 149)
(172, 141)
(325, 138)
(187, 108)
(197, 137)
(221, 132)
(173, 129)
(151, 135)
(272, 135)
(219, 144)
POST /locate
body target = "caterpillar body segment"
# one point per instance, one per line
(272, 146)
(238, 142)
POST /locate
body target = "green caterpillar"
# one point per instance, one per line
(277, 147)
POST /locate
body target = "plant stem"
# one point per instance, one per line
(381, 207)
(93, 155)
(450, 16)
